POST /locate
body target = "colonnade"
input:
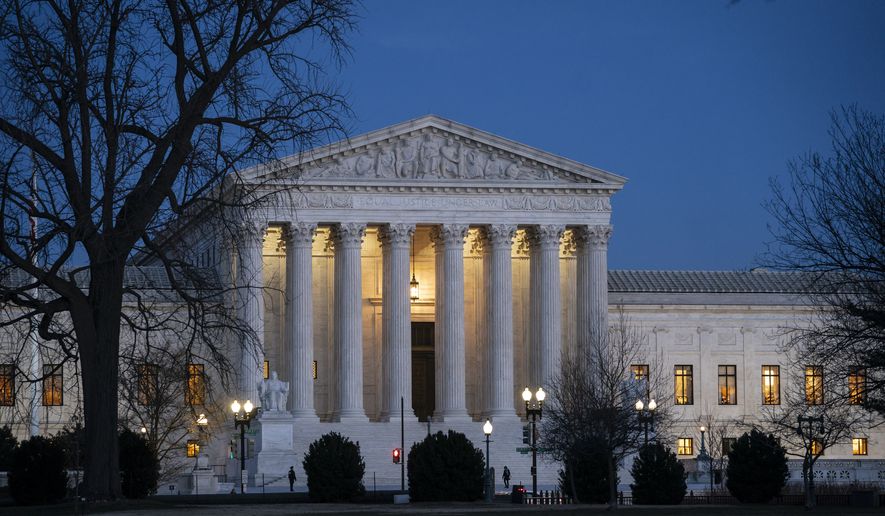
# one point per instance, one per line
(545, 342)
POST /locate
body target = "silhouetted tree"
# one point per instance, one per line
(445, 467)
(334, 468)
(658, 476)
(757, 468)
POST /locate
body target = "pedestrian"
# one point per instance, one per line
(506, 477)
(292, 478)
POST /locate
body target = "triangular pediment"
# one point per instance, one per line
(433, 149)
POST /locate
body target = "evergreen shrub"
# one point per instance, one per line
(334, 469)
(445, 467)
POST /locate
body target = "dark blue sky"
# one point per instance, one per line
(698, 103)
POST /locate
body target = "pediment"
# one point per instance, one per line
(431, 149)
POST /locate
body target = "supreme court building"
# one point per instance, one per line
(450, 268)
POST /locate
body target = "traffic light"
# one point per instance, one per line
(526, 435)
(397, 455)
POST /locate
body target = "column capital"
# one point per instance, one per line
(449, 235)
(545, 236)
(251, 232)
(396, 234)
(298, 234)
(349, 234)
(499, 235)
(593, 236)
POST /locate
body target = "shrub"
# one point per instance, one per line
(587, 469)
(334, 469)
(38, 473)
(139, 467)
(445, 467)
(757, 468)
(658, 475)
(8, 442)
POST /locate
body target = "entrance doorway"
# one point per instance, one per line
(423, 370)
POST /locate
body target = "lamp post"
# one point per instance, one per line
(487, 429)
(806, 430)
(242, 418)
(646, 415)
(704, 456)
(534, 412)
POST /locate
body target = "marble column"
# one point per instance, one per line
(250, 307)
(546, 304)
(448, 241)
(592, 288)
(347, 239)
(396, 321)
(298, 237)
(498, 288)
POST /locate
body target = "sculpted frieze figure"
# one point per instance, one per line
(407, 159)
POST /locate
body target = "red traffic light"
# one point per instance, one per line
(397, 455)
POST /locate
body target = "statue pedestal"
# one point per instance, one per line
(276, 449)
(203, 481)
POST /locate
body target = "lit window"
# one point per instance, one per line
(639, 372)
(196, 385)
(53, 383)
(727, 385)
(859, 446)
(684, 385)
(193, 447)
(147, 383)
(771, 385)
(266, 369)
(817, 447)
(814, 385)
(314, 370)
(727, 444)
(7, 385)
(857, 385)
(685, 446)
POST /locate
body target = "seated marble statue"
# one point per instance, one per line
(273, 393)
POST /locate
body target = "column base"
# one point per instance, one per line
(453, 416)
(502, 416)
(307, 415)
(350, 416)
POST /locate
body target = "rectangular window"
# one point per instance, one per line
(639, 371)
(727, 445)
(684, 385)
(814, 385)
(195, 394)
(859, 446)
(314, 370)
(148, 375)
(857, 385)
(728, 385)
(771, 385)
(7, 385)
(817, 448)
(685, 446)
(193, 447)
(266, 369)
(53, 385)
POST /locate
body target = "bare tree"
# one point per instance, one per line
(119, 118)
(815, 413)
(593, 400)
(719, 430)
(831, 224)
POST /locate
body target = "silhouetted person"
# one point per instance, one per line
(292, 478)
(506, 476)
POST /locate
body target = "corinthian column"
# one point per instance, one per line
(250, 307)
(546, 304)
(498, 288)
(448, 241)
(298, 237)
(396, 334)
(592, 288)
(348, 332)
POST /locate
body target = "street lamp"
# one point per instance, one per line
(646, 415)
(703, 456)
(242, 418)
(535, 414)
(487, 429)
(806, 430)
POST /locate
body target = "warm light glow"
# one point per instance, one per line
(248, 406)
(202, 420)
(414, 291)
(640, 405)
(541, 394)
(527, 395)
(652, 405)
(235, 407)
(487, 427)
(703, 429)
(143, 430)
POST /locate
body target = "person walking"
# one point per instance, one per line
(506, 477)
(292, 478)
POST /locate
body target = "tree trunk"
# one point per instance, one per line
(570, 466)
(810, 500)
(612, 483)
(98, 331)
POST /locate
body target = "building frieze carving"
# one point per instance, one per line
(557, 203)
(435, 156)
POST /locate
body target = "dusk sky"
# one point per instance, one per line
(697, 103)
